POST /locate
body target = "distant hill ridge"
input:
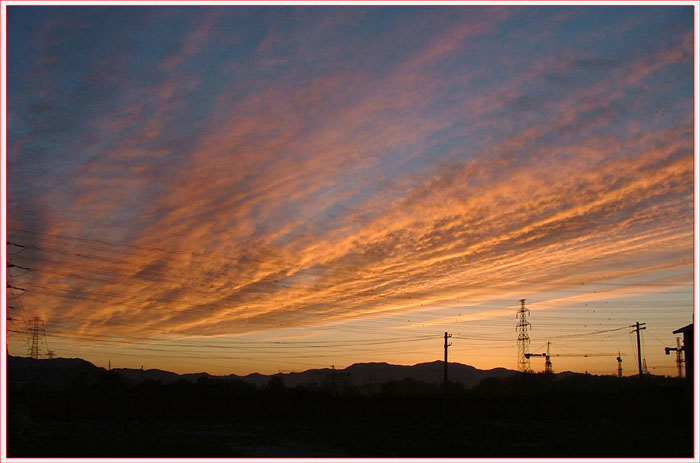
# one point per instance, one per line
(61, 373)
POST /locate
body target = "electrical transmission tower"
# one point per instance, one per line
(523, 338)
(37, 334)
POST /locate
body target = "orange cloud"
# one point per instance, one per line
(306, 203)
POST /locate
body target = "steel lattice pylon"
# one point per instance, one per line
(35, 331)
(523, 338)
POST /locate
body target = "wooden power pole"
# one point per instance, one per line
(444, 380)
(637, 328)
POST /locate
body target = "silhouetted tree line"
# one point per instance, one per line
(110, 394)
(522, 415)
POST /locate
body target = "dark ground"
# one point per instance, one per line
(522, 416)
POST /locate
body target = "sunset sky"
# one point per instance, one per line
(237, 189)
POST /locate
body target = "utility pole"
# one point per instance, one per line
(523, 338)
(444, 380)
(637, 328)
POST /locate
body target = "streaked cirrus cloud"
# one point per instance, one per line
(296, 167)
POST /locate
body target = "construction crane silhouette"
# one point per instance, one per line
(619, 364)
(548, 362)
(679, 355)
(546, 355)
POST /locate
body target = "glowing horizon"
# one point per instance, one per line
(242, 189)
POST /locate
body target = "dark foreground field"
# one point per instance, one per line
(519, 416)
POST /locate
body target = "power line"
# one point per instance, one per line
(592, 333)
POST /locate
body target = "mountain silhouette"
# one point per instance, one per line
(64, 373)
(57, 374)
